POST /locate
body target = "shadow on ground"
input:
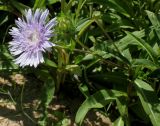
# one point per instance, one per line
(13, 112)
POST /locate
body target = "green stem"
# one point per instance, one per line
(22, 106)
(80, 5)
(89, 51)
(9, 94)
(92, 52)
(90, 10)
(75, 50)
(3, 41)
(14, 102)
(81, 44)
(69, 4)
(104, 32)
(59, 71)
(63, 5)
(107, 36)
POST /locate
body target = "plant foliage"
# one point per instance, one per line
(109, 49)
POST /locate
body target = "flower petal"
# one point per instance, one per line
(37, 15)
(50, 24)
(44, 16)
(29, 16)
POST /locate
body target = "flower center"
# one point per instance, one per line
(33, 37)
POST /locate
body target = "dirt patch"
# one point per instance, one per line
(14, 112)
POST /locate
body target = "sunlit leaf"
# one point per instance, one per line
(84, 89)
(52, 1)
(145, 46)
(122, 106)
(144, 63)
(74, 69)
(84, 25)
(149, 101)
(127, 40)
(39, 4)
(155, 22)
(49, 62)
(97, 100)
(119, 122)
(6, 8)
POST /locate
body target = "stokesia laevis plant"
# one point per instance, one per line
(31, 37)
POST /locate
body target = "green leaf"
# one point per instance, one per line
(6, 62)
(85, 23)
(84, 89)
(74, 69)
(120, 6)
(155, 74)
(122, 106)
(97, 100)
(145, 46)
(49, 2)
(64, 122)
(88, 57)
(42, 74)
(155, 22)
(118, 122)
(49, 89)
(144, 63)
(119, 56)
(39, 4)
(127, 40)
(46, 98)
(19, 6)
(80, 5)
(156, 46)
(6, 8)
(138, 110)
(4, 18)
(127, 54)
(149, 100)
(50, 63)
(112, 77)
(117, 22)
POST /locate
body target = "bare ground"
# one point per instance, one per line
(15, 111)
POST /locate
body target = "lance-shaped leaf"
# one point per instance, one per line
(19, 6)
(83, 25)
(47, 96)
(149, 101)
(145, 46)
(39, 4)
(144, 63)
(155, 22)
(97, 100)
(118, 122)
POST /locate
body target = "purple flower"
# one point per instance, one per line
(31, 38)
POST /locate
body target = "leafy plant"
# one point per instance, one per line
(108, 48)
